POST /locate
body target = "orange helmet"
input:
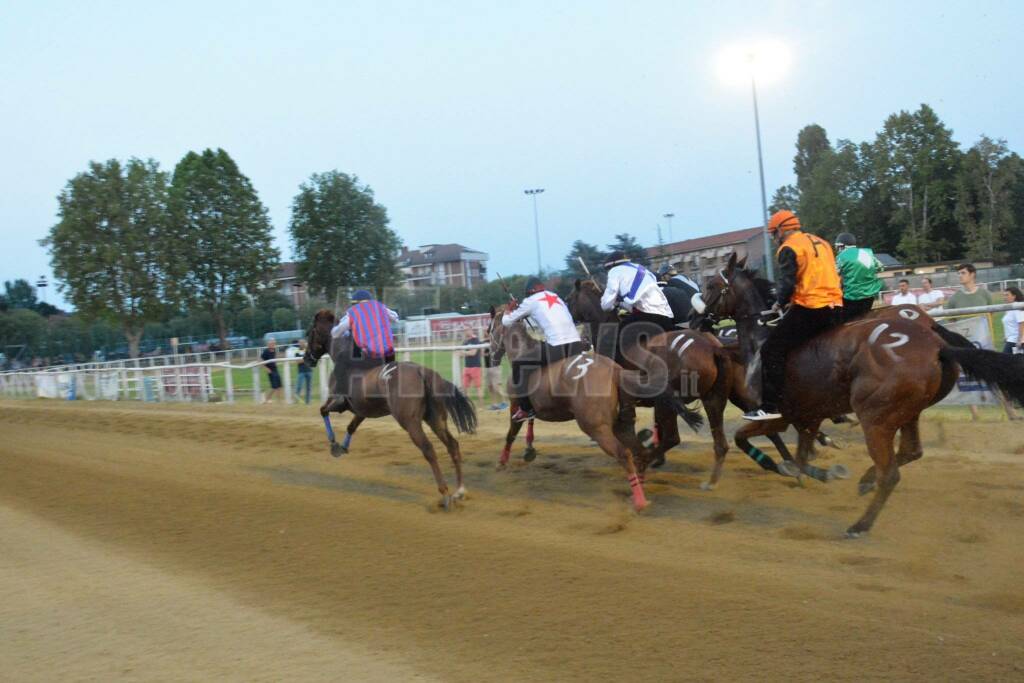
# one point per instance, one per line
(783, 222)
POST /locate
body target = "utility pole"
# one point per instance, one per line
(536, 225)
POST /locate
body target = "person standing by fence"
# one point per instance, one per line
(269, 354)
(904, 295)
(494, 384)
(930, 298)
(305, 372)
(971, 295)
(471, 371)
(1013, 323)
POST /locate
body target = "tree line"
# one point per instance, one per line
(136, 247)
(911, 191)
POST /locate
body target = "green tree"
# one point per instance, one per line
(341, 236)
(223, 231)
(628, 245)
(984, 198)
(786, 197)
(19, 294)
(916, 162)
(109, 249)
(591, 255)
(23, 327)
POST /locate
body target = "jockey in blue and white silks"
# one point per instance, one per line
(635, 289)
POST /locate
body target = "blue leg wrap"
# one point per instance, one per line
(330, 429)
(347, 440)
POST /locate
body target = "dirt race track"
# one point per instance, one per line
(147, 542)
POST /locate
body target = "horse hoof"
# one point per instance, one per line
(646, 437)
(640, 507)
(852, 534)
(337, 450)
(530, 455)
(838, 471)
(447, 502)
(788, 469)
(707, 486)
(460, 494)
(865, 487)
(501, 467)
(658, 462)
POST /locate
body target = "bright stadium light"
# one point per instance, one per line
(764, 62)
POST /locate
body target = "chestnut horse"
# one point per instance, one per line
(410, 393)
(887, 370)
(590, 389)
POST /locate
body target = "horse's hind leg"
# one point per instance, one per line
(440, 427)
(419, 437)
(879, 438)
(605, 438)
(910, 449)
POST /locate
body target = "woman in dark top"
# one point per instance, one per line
(269, 354)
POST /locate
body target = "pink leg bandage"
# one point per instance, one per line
(639, 500)
(506, 452)
(529, 433)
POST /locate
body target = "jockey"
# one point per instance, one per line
(636, 290)
(683, 294)
(809, 285)
(858, 269)
(561, 338)
(369, 323)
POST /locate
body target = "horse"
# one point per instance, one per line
(592, 390)
(886, 368)
(700, 368)
(410, 393)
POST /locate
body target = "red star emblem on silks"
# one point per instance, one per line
(552, 299)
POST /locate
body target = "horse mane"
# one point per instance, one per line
(591, 285)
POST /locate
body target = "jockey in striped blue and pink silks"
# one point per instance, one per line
(369, 322)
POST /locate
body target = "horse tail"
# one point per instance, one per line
(451, 400)
(1000, 370)
(950, 337)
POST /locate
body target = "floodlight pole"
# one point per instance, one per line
(669, 217)
(536, 225)
(768, 258)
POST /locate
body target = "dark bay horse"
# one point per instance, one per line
(699, 368)
(886, 367)
(592, 390)
(410, 393)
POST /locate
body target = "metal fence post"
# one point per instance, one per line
(229, 384)
(257, 395)
(457, 369)
(324, 386)
(286, 376)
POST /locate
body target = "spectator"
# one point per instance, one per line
(971, 295)
(904, 296)
(492, 379)
(269, 354)
(1013, 323)
(930, 298)
(305, 372)
(471, 372)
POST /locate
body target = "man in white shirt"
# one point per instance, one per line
(904, 296)
(930, 298)
(635, 290)
(561, 339)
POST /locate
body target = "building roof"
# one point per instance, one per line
(722, 239)
(286, 270)
(888, 260)
(435, 253)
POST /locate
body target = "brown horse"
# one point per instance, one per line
(410, 393)
(590, 389)
(885, 370)
(699, 368)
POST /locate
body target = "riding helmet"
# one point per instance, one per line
(534, 285)
(782, 222)
(845, 239)
(615, 258)
(361, 295)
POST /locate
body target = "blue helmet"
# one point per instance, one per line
(361, 295)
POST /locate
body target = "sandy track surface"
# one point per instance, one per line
(219, 542)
